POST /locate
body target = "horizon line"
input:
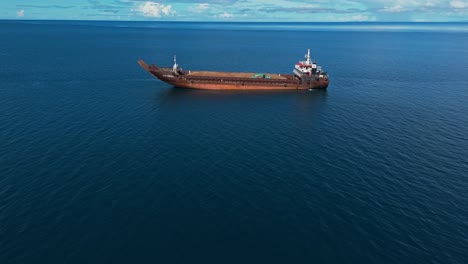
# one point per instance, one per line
(227, 21)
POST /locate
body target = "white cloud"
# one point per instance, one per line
(353, 18)
(199, 8)
(393, 9)
(429, 4)
(459, 4)
(152, 9)
(399, 6)
(361, 17)
(225, 15)
(20, 13)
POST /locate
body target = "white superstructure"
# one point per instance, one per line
(307, 67)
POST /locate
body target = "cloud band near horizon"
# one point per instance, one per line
(242, 10)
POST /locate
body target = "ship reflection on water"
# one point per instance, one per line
(280, 102)
(235, 123)
(194, 94)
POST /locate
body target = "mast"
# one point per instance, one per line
(175, 67)
(308, 57)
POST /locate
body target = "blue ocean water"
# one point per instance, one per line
(101, 163)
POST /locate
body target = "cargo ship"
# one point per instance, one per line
(306, 75)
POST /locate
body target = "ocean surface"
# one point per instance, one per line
(102, 163)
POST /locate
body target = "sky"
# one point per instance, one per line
(239, 10)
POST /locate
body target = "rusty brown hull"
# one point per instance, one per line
(233, 81)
